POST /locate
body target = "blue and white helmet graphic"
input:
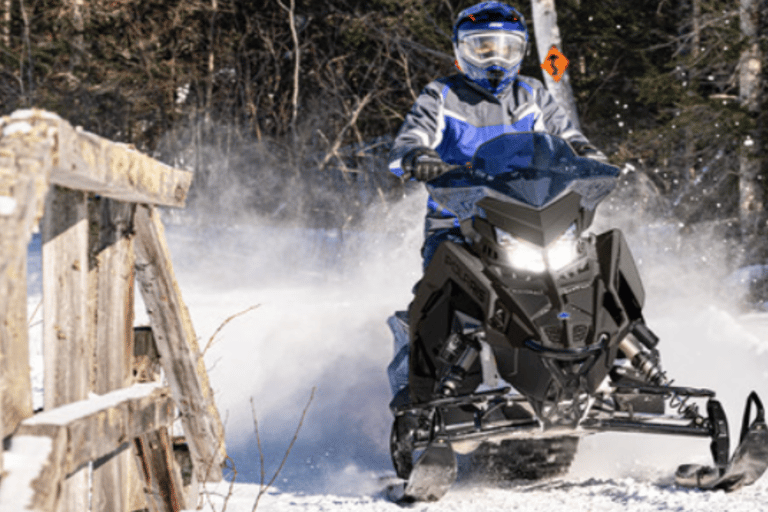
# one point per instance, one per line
(489, 41)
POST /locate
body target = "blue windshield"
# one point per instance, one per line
(530, 168)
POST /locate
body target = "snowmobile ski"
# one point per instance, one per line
(749, 462)
(433, 474)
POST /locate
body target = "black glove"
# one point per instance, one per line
(423, 164)
(590, 151)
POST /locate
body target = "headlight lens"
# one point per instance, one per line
(532, 258)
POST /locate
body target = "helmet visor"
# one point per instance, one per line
(492, 47)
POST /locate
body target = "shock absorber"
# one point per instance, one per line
(643, 361)
(458, 370)
(649, 366)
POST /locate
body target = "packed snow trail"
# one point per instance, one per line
(572, 494)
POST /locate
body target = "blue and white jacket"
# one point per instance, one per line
(454, 117)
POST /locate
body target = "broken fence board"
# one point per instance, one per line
(163, 481)
(177, 345)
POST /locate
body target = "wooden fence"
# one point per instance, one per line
(102, 440)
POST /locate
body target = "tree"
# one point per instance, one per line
(5, 31)
(547, 36)
(752, 162)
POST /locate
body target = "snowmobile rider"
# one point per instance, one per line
(453, 116)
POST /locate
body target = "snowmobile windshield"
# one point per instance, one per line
(531, 169)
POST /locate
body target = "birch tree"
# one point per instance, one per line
(5, 31)
(752, 205)
(78, 22)
(548, 35)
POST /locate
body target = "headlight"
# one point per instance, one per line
(532, 258)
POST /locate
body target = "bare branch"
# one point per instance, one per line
(352, 120)
(296, 65)
(263, 488)
(224, 323)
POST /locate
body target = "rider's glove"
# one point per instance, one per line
(423, 164)
(590, 151)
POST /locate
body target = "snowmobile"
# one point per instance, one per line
(531, 334)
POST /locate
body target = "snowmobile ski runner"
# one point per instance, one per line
(531, 333)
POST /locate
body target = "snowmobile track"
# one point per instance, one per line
(528, 459)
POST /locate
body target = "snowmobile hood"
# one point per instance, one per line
(529, 169)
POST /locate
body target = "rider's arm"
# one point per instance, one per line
(420, 127)
(557, 122)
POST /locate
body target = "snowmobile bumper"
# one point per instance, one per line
(497, 415)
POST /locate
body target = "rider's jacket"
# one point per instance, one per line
(454, 116)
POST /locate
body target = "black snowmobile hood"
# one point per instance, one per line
(530, 183)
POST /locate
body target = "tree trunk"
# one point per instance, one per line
(5, 32)
(751, 188)
(548, 35)
(696, 28)
(78, 23)
(211, 62)
(297, 62)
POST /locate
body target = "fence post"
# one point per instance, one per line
(23, 181)
(112, 277)
(66, 345)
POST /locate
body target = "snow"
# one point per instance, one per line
(22, 127)
(7, 205)
(22, 464)
(572, 494)
(323, 301)
(68, 413)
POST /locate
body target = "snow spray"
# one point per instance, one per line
(323, 300)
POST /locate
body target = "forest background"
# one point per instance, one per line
(287, 108)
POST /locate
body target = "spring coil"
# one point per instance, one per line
(650, 368)
(679, 402)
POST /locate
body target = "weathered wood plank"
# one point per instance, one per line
(87, 162)
(100, 425)
(111, 276)
(75, 434)
(65, 292)
(162, 477)
(25, 165)
(67, 317)
(177, 344)
(146, 368)
(15, 381)
(186, 470)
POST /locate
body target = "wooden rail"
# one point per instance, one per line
(106, 415)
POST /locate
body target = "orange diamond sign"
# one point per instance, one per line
(555, 64)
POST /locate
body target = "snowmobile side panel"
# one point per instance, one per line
(452, 282)
(620, 272)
